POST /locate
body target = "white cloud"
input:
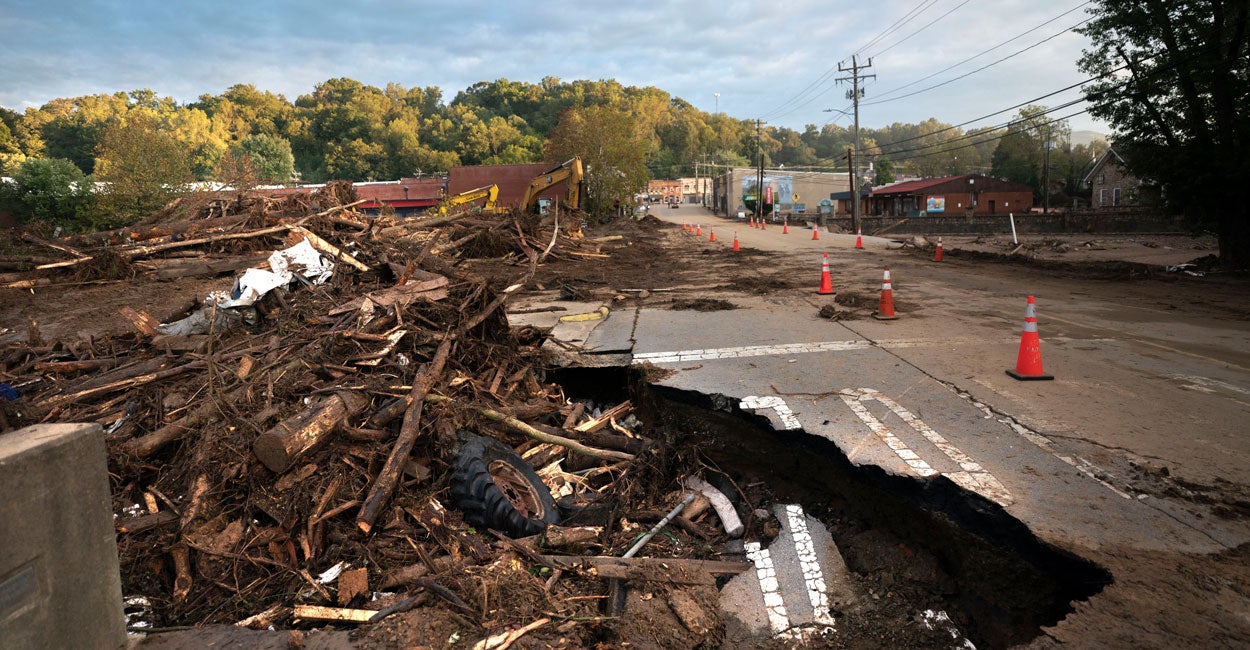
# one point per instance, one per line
(760, 56)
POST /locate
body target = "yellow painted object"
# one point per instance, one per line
(598, 314)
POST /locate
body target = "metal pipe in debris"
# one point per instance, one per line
(663, 522)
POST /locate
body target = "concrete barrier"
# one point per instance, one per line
(59, 580)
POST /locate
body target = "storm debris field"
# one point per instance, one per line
(351, 431)
(320, 421)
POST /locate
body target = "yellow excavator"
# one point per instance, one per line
(489, 192)
(570, 170)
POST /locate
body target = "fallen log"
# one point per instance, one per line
(57, 367)
(288, 441)
(541, 436)
(384, 484)
(125, 383)
(647, 568)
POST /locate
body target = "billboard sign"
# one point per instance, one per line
(935, 204)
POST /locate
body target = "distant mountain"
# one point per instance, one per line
(1086, 137)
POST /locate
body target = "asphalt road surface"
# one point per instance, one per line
(1133, 457)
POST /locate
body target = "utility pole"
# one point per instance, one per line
(854, 95)
(1046, 174)
(759, 178)
(696, 177)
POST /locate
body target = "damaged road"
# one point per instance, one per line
(891, 485)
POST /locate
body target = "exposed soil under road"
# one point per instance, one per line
(1157, 598)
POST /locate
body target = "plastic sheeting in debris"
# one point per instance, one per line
(222, 309)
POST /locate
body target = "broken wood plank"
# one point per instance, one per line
(330, 249)
(343, 614)
(594, 424)
(141, 523)
(141, 320)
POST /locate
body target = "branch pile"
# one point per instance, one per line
(289, 461)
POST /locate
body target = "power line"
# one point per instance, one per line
(1009, 108)
(988, 65)
(969, 136)
(791, 105)
(907, 17)
(986, 51)
(928, 25)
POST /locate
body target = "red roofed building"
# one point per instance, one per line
(965, 195)
(512, 180)
(407, 196)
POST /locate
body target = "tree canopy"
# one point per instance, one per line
(345, 129)
(1174, 82)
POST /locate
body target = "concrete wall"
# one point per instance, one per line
(1067, 222)
(59, 581)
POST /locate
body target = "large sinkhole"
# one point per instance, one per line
(913, 547)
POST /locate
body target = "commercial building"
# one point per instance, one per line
(965, 195)
(794, 192)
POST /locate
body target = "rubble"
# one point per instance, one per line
(352, 398)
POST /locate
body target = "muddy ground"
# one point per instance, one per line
(897, 576)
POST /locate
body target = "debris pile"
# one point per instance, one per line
(346, 429)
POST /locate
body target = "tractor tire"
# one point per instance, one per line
(496, 488)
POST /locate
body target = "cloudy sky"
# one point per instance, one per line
(777, 61)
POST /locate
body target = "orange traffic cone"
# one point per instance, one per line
(1029, 360)
(859, 239)
(684, 228)
(885, 310)
(815, 233)
(762, 223)
(752, 222)
(736, 241)
(698, 230)
(826, 282)
(937, 255)
(785, 227)
(711, 234)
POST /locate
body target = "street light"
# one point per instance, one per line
(717, 104)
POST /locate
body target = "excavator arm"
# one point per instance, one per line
(570, 170)
(489, 192)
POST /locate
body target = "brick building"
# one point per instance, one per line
(1112, 185)
(664, 191)
(964, 195)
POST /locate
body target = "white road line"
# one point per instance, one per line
(973, 477)
(892, 441)
(778, 620)
(810, 564)
(1045, 444)
(750, 351)
(676, 356)
(756, 403)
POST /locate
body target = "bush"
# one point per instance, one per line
(51, 190)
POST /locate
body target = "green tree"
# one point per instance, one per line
(52, 190)
(884, 168)
(1174, 82)
(143, 168)
(612, 153)
(270, 156)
